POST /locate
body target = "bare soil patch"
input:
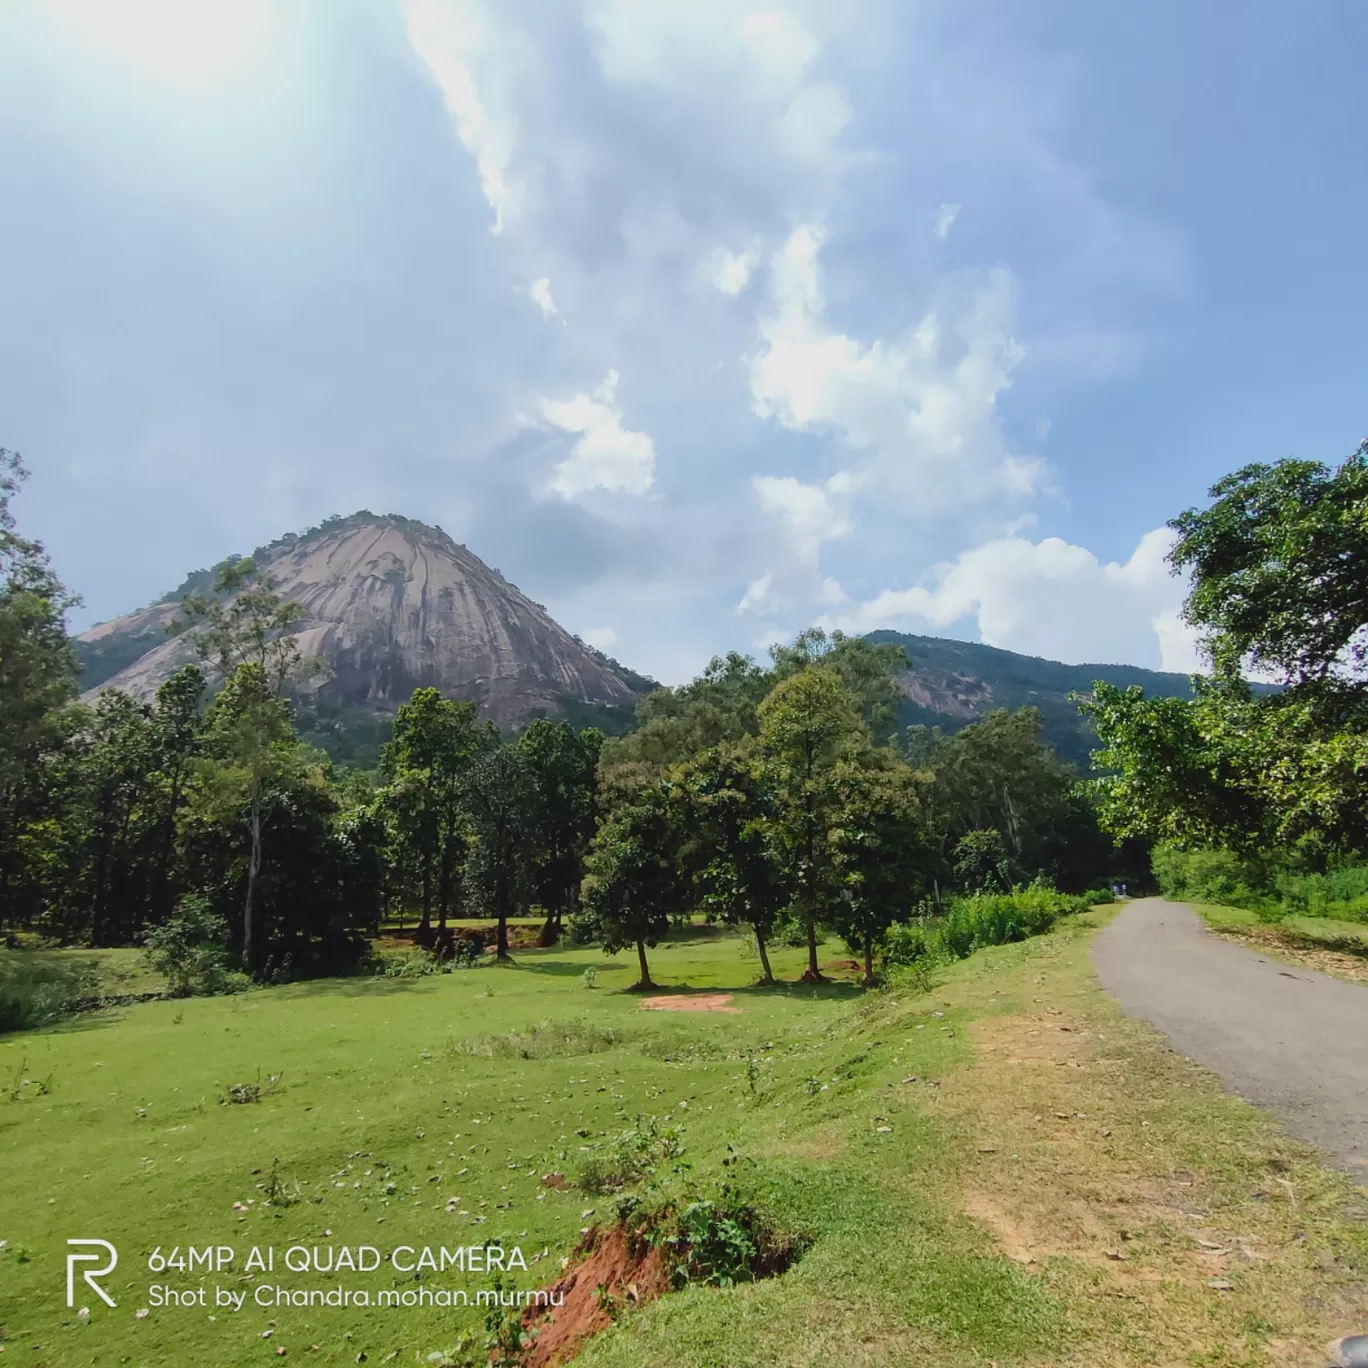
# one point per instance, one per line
(689, 1002)
(621, 1270)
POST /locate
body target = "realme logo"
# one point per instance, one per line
(90, 1274)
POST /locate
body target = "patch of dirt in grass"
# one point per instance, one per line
(616, 1271)
(1350, 962)
(689, 1002)
(1172, 1220)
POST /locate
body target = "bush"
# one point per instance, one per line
(979, 920)
(191, 950)
(1218, 876)
(38, 987)
(1096, 897)
(628, 1157)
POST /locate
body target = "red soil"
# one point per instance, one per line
(689, 1002)
(621, 1270)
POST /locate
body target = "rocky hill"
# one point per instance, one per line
(951, 683)
(392, 605)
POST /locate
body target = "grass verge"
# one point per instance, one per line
(1002, 1169)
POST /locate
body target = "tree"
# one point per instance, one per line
(37, 680)
(730, 809)
(561, 765)
(631, 887)
(249, 631)
(879, 857)
(1279, 568)
(1279, 582)
(436, 740)
(807, 725)
(498, 798)
(868, 672)
(250, 736)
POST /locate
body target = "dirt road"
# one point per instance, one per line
(1280, 1036)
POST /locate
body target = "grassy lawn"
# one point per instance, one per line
(1334, 947)
(1001, 1169)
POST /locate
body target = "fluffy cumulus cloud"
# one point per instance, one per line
(918, 410)
(1048, 598)
(607, 455)
(750, 206)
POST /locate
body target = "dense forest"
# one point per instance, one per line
(784, 796)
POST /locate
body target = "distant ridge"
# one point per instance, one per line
(392, 605)
(952, 683)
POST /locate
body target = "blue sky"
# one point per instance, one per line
(702, 321)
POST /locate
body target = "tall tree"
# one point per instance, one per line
(498, 800)
(1279, 570)
(730, 809)
(880, 858)
(1278, 564)
(435, 742)
(808, 724)
(561, 766)
(249, 631)
(250, 736)
(632, 888)
(37, 680)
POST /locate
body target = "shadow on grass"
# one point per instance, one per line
(831, 991)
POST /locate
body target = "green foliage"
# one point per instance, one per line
(561, 766)
(978, 920)
(36, 989)
(631, 895)
(1277, 569)
(498, 806)
(729, 810)
(960, 676)
(191, 949)
(425, 769)
(808, 726)
(628, 1157)
(1270, 888)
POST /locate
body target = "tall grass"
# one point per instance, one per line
(38, 987)
(1262, 886)
(981, 919)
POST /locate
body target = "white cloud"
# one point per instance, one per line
(730, 272)
(809, 512)
(446, 36)
(1049, 598)
(539, 292)
(599, 637)
(920, 410)
(945, 220)
(607, 455)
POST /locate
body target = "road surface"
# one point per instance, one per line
(1282, 1037)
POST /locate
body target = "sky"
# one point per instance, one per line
(701, 321)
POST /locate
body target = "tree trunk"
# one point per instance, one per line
(501, 953)
(869, 960)
(253, 865)
(645, 968)
(812, 974)
(767, 974)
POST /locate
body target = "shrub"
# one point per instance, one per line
(190, 950)
(38, 987)
(628, 1157)
(978, 920)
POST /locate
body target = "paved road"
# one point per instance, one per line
(1280, 1036)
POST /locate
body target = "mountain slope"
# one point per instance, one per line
(951, 683)
(391, 605)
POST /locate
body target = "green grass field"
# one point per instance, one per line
(425, 1112)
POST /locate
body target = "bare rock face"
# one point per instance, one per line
(393, 605)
